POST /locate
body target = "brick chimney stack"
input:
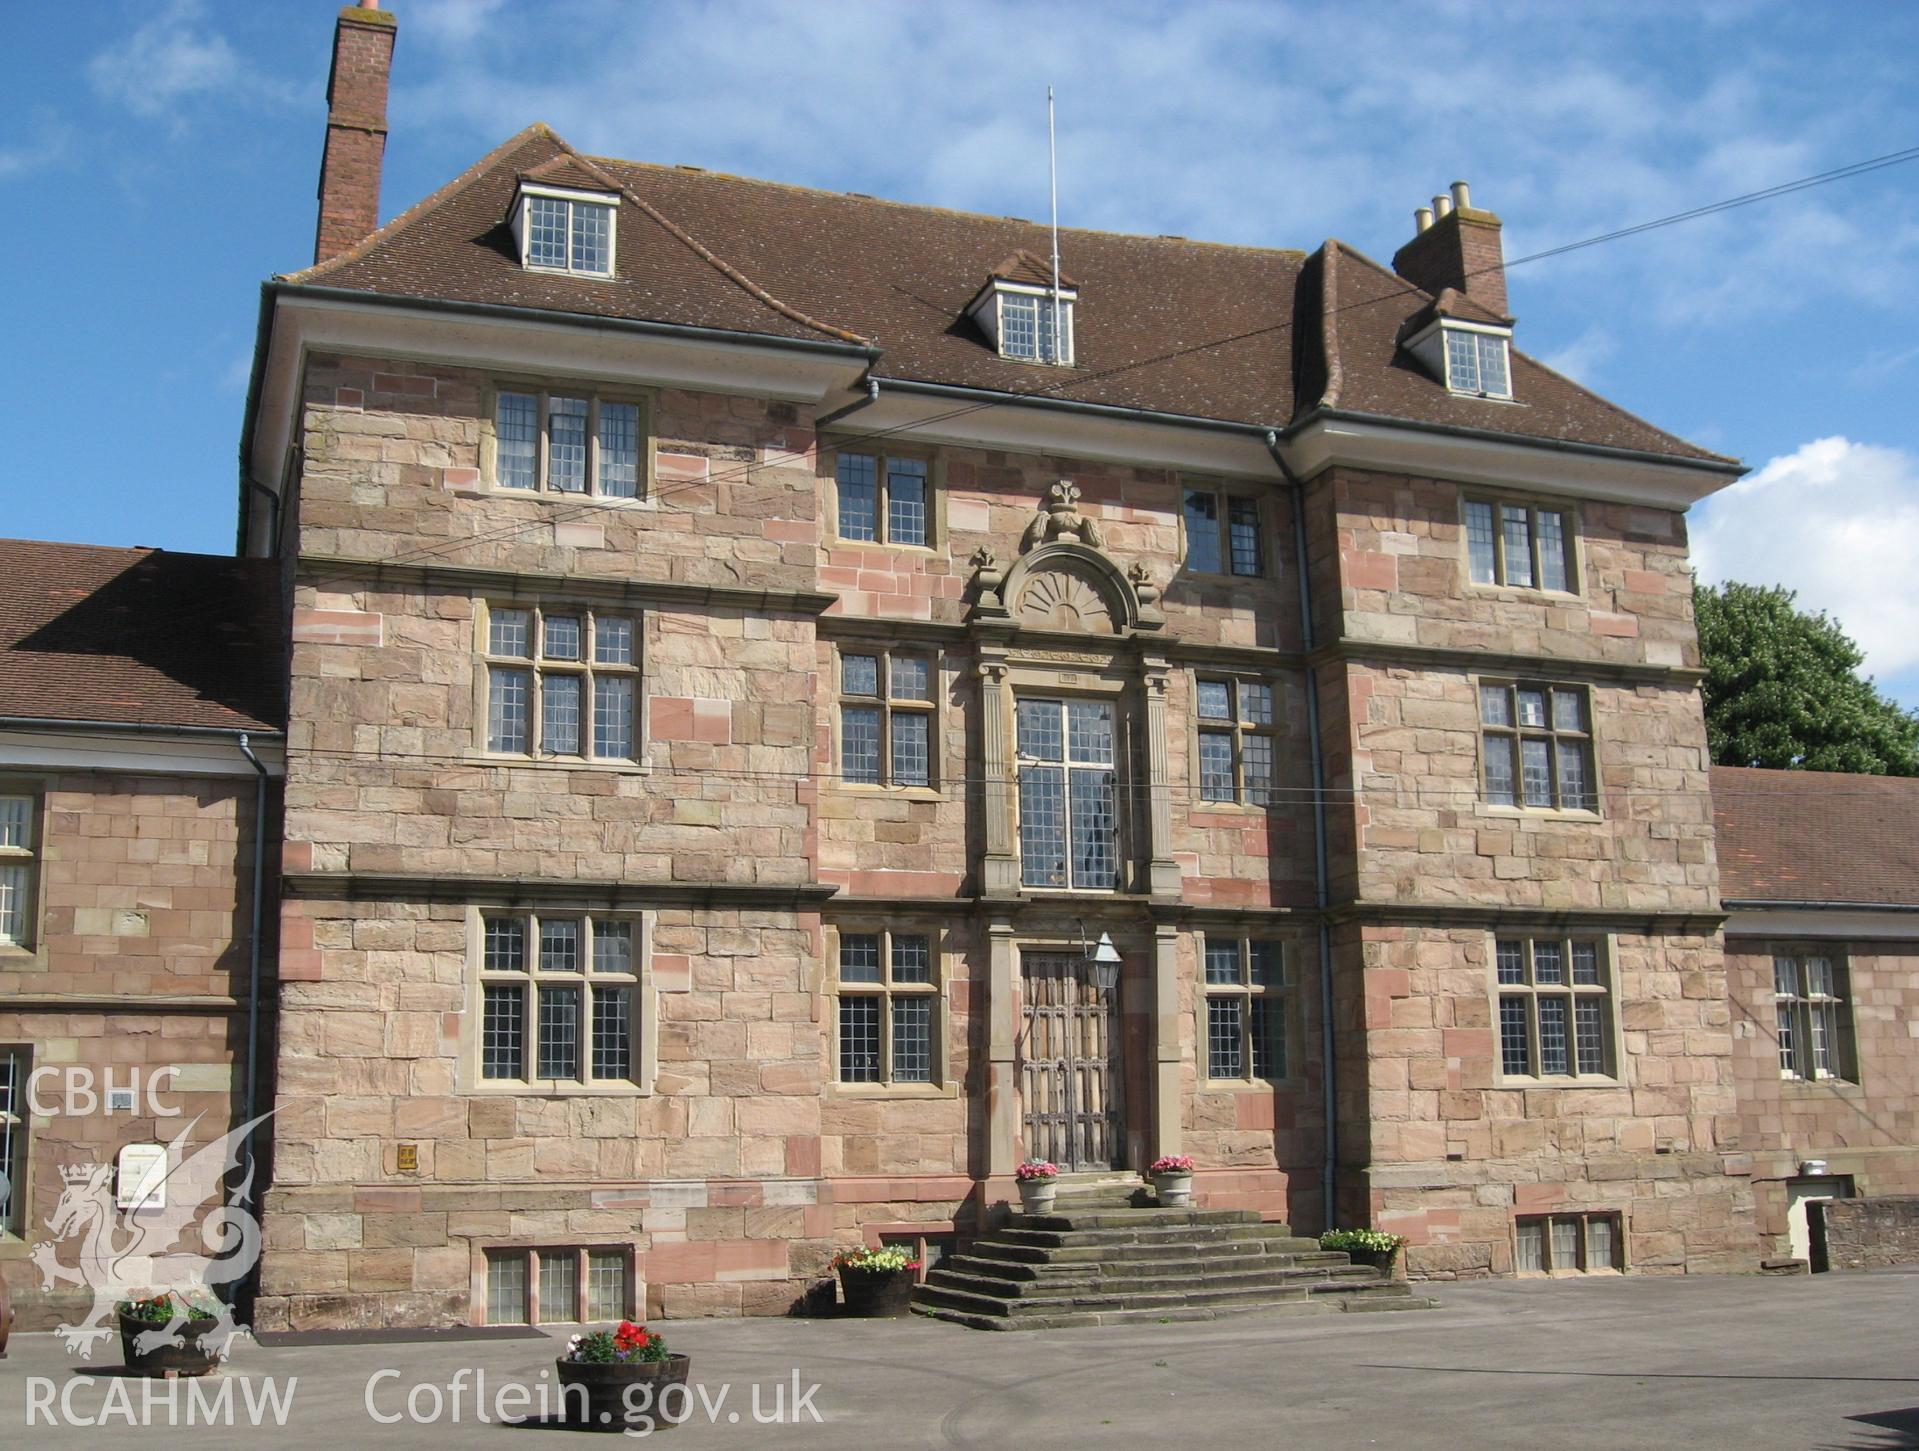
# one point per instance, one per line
(355, 129)
(1456, 246)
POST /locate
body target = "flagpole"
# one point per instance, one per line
(1052, 154)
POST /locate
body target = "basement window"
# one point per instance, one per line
(565, 231)
(1562, 1244)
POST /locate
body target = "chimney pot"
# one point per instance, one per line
(1457, 247)
(356, 129)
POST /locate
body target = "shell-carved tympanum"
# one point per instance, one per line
(1058, 600)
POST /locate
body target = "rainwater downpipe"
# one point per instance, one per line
(1322, 893)
(251, 1097)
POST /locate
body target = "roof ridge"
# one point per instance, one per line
(1574, 383)
(826, 191)
(710, 257)
(426, 203)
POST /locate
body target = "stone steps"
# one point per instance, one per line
(1100, 1265)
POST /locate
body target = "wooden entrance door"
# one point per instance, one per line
(1071, 1081)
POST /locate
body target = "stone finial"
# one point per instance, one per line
(1143, 586)
(1058, 517)
(987, 574)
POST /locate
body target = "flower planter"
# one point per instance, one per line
(1378, 1259)
(875, 1294)
(195, 1355)
(1036, 1196)
(1175, 1191)
(6, 1316)
(622, 1395)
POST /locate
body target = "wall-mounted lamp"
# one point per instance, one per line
(1104, 958)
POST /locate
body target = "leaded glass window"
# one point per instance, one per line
(882, 498)
(1526, 546)
(566, 443)
(558, 998)
(1536, 746)
(13, 1141)
(888, 1008)
(1236, 740)
(561, 682)
(1225, 533)
(1476, 362)
(1566, 1244)
(1246, 995)
(564, 234)
(1068, 793)
(1555, 1007)
(886, 718)
(1027, 331)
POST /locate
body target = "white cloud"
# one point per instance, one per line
(177, 57)
(1835, 521)
(50, 141)
(1585, 356)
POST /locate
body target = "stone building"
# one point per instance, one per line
(749, 644)
(140, 747)
(1821, 889)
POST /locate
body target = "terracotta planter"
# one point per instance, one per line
(622, 1395)
(195, 1355)
(875, 1294)
(1174, 1191)
(1036, 1196)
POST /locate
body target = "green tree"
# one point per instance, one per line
(1783, 689)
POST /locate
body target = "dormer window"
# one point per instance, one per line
(561, 230)
(1473, 359)
(1476, 362)
(1018, 307)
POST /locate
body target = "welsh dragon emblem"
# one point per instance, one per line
(129, 1252)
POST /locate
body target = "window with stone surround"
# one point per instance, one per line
(19, 864)
(566, 231)
(559, 999)
(1068, 793)
(561, 682)
(1536, 746)
(1225, 532)
(1814, 1017)
(568, 442)
(1519, 544)
(559, 1285)
(889, 1008)
(1246, 1004)
(1555, 1007)
(1559, 1244)
(1234, 724)
(883, 498)
(14, 1071)
(887, 706)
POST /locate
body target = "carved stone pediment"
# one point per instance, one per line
(1064, 580)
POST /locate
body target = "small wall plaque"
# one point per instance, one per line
(407, 1158)
(141, 1182)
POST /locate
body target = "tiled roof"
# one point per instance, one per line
(1243, 334)
(1024, 266)
(138, 636)
(1816, 836)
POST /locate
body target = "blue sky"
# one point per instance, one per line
(160, 158)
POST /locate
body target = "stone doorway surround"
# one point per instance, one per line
(1072, 1061)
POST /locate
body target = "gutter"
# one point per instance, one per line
(1322, 892)
(992, 398)
(509, 312)
(262, 342)
(139, 728)
(1723, 467)
(1787, 904)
